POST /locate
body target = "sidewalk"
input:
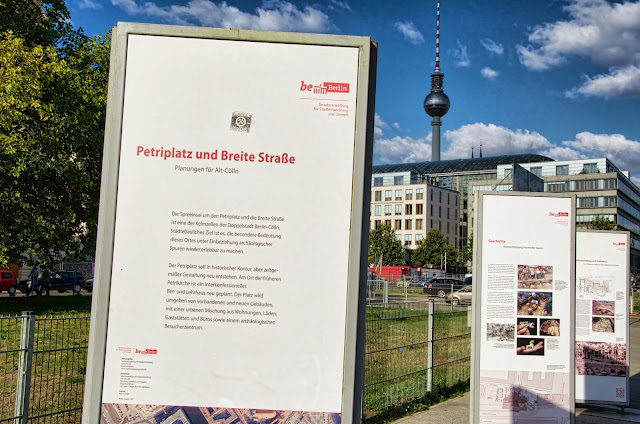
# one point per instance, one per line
(456, 411)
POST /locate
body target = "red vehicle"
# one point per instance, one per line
(396, 273)
(8, 282)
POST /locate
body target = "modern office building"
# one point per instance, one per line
(454, 175)
(412, 209)
(601, 188)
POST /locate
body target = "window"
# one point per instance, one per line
(418, 238)
(440, 196)
(447, 228)
(419, 193)
(387, 222)
(508, 173)
(562, 170)
(387, 195)
(419, 209)
(448, 198)
(378, 210)
(447, 213)
(408, 209)
(387, 209)
(418, 224)
(431, 223)
(432, 209)
(557, 187)
(439, 211)
(432, 195)
(398, 224)
(407, 239)
(407, 224)
(399, 180)
(537, 171)
(398, 237)
(440, 225)
(398, 209)
(398, 194)
(378, 196)
(377, 181)
(378, 223)
(408, 194)
(590, 168)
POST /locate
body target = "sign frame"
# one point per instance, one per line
(626, 312)
(353, 366)
(476, 322)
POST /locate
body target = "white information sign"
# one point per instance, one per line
(523, 299)
(602, 317)
(233, 224)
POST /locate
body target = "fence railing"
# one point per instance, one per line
(411, 347)
(42, 368)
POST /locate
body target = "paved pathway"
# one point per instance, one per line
(456, 411)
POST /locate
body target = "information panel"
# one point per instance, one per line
(523, 298)
(602, 317)
(239, 185)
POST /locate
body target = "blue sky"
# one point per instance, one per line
(559, 78)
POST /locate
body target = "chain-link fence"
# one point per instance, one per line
(413, 346)
(42, 369)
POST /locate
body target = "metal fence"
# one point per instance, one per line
(412, 347)
(42, 369)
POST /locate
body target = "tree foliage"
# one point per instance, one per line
(382, 241)
(466, 254)
(602, 223)
(431, 251)
(52, 109)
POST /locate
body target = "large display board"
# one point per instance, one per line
(523, 334)
(230, 254)
(602, 317)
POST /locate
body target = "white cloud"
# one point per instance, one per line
(495, 141)
(378, 126)
(461, 56)
(410, 32)
(396, 125)
(402, 149)
(339, 4)
(624, 153)
(636, 181)
(492, 47)
(623, 82)
(273, 15)
(488, 73)
(89, 4)
(605, 32)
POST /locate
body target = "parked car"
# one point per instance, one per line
(63, 281)
(441, 286)
(88, 285)
(8, 282)
(461, 296)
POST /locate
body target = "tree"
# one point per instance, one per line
(382, 242)
(602, 223)
(466, 254)
(432, 251)
(52, 109)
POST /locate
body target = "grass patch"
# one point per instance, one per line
(46, 305)
(422, 403)
(397, 359)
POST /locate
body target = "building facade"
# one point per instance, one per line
(602, 190)
(412, 209)
(456, 175)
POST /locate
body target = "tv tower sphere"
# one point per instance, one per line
(436, 103)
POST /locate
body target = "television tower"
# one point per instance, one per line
(436, 104)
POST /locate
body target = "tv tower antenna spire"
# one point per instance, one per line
(436, 104)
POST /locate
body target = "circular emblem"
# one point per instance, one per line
(241, 121)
